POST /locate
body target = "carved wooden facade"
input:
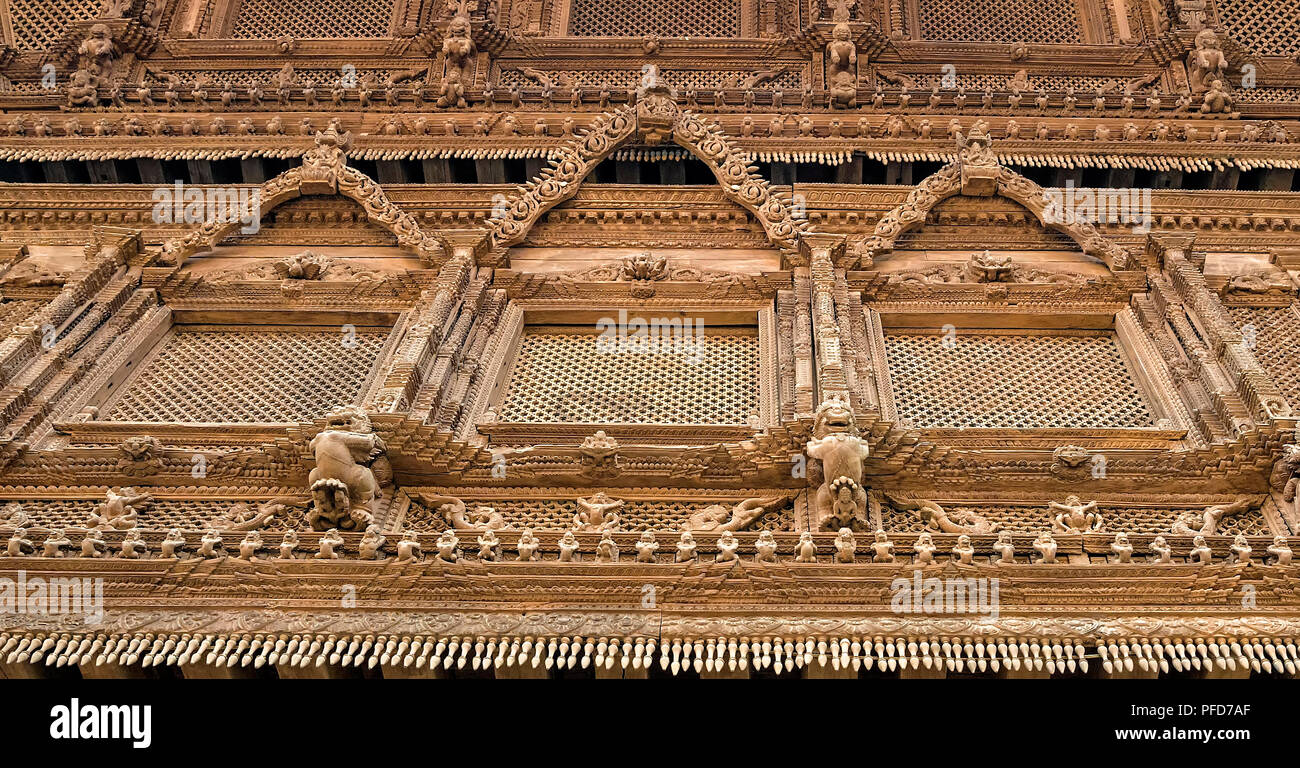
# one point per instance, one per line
(813, 295)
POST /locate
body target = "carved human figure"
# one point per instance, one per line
(19, 545)
(719, 517)
(93, 544)
(1206, 63)
(1207, 521)
(1075, 517)
(96, 53)
(963, 550)
(1161, 552)
(210, 545)
(924, 549)
(765, 547)
(489, 546)
(448, 546)
(646, 547)
(1201, 551)
(119, 510)
(250, 545)
(937, 519)
(408, 548)
(606, 548)
(1217, 98)
(1006, 548)
(330, 545)
(840, 501)
(458, 51)
(1045, 546)
(1286, 472)
(842, 67)
(882, 548)
(1122, 548)
(54, 543)
(846, 546)
(569, 547)
(597, 513)
(805, 551)
(685, 548)
(1280, 550)
(527, 545)
(372, 543)
(728, 544)
(288, 544)
(350, 468)
(599, 453)
(1240, 549)
(171, 545)
(133, 545)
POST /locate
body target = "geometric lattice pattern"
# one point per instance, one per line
(1035, 519)
(38, 23)
(1001, 21)
(262, 19)
(565, 378)
(1275, 334)
(664, 18)
(187, 514)
(248, 377)
(1014, 381)
(1264, 27)
(557, 515)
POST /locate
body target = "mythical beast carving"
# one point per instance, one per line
(351, 466)
(841, 501)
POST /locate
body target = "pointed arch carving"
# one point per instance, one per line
(653, 119)
(324, 171)
(947, 182)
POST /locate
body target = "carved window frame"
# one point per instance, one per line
(1096, 24)
(1173, 423)
(520, 314)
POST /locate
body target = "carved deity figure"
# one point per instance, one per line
(1122, 548)
(447, 546)
(1217, 99)
(93, 544)
(133, 545)
(1074, 516)
(489, 547)
(250, 545)
(119, 510)
(408, 549)
(211, 545)
(458, 51)
(1200, 550)
(597, 513)
(330, 545)
(765, 547)
(1206, 63)
(805, 551)
(527, 545)
(54, 543)
(882, 548)
(172, 544)
(685, 548)
(924, 549)
(1006, 548)
(372, 543)
(241, 517)
(1240, 549)
(1286, 472)
(599, 454)
(841, 501)
(569, 547)
(846, 546)
(987, 268)
(1045, 546)
(1280, 550)
(728, 544)
(963, 550)
(96, 53)
(646, 547)
(19, 545)
(606, 548)
(1161, 552)
(718, 517)
(842, 67)
(288, 544)
(351, 465)
(937, 519)
(1207, 522)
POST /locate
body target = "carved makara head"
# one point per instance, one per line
(140, 447)
(987, 268)
(645, 266)
(1071, 455)
(834, 417)
(349, 418)
(307, 265)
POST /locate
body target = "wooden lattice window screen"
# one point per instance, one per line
(263, 19)
(39, 23)
(661, 18)
(1265, 27)
(1001, 21)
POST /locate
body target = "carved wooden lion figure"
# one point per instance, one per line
(1286, 473)
(841, 501)
(350, 468)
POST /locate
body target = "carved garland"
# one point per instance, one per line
(731, 165)
(324, 170)
(947, 182)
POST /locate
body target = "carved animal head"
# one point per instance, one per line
(834, 417)
(349, 418)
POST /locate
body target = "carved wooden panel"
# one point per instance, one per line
(564, 378)
(14, 311)
(1265, 27)
(187, 514)
(1029, 519)
(208, 374)
(663, 18)
(1022, 381)
(1275, 332)
(261, 19)
(38, 23)
(557, 514)
(1001, 21)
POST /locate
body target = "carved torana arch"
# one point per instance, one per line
(324, 171)
(653, 119)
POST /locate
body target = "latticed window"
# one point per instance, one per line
(662, 18)
(1027, 381)
(1273, 333)
(261, 19)
(206, 374)
(39, 23)
(1265, 27)
(568, 378)
(1001, 21)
